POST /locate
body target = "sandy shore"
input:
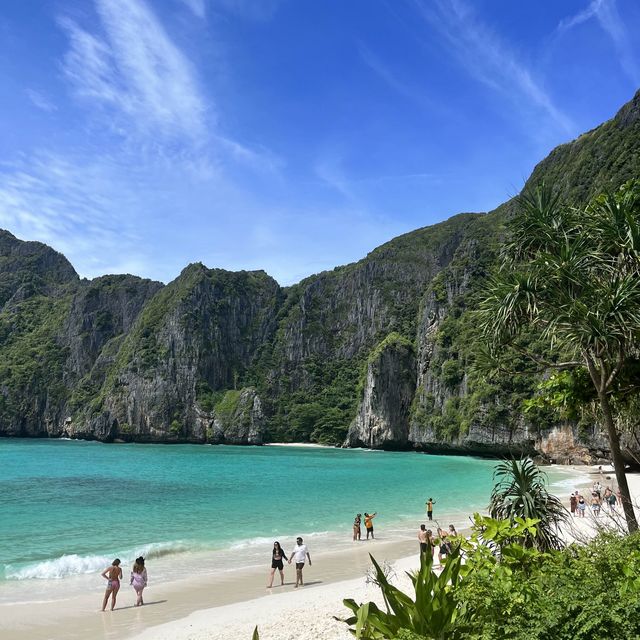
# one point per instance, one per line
(80, 617)
(228, 606)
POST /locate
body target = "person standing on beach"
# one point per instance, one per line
(277, 556)
(139, 579)
(425, 540)
(582, 505)
(300, 553)
(573, 503)
(445, 545)
(113, 575)
(430, 504)
(356, 527)
(368, 523)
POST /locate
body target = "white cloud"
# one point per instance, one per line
(76, 208)
(606, 13)
(198, 7)
(391, 78)
(488, 58)
(40, 100)
(137, 70)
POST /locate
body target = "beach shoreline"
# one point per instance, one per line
(334, 575)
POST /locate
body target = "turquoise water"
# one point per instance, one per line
(69, 507)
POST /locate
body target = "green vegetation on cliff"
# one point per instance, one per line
(32, 360)
(304, 349)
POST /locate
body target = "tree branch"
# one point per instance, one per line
(547, 364)
(617, 367)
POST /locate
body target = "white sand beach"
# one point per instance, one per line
(228, 605)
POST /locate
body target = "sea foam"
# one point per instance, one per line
(74, 564)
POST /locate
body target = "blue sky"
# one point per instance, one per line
(286, 135)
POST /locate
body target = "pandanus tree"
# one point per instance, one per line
(520, 491)
(572, 277)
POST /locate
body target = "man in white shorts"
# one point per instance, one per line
(299, 554)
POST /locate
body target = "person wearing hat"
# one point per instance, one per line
(139, 579)
(299, 554)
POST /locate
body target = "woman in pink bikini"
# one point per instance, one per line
(112, 575)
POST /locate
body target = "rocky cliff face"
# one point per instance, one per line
(383, 416)
(30, 268)
(377, 353)
(195, 339)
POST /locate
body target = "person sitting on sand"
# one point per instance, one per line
(139, 579)
(113, 575)
(277, 556)
(356, 527)
(300, 553)
(368, 524)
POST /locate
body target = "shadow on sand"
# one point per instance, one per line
(146, 604)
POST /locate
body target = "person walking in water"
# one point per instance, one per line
(356, 527)
(113, 575)
(430, 504)
(368, 523)
(277, 556)
(299, 554)
(139, 579)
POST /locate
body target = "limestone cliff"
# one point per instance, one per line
(382, 420)
(378, 353)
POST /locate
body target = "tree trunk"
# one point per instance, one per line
(618, 463)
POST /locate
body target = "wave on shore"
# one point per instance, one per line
(74, 564)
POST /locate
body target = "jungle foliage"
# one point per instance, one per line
(499, 588)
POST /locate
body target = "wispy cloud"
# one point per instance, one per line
(329, 170)
(40, 100)
(136, 69)
(392, 78)
(252, 9)
(198, 7)
(607, 15)
(75, 208)
(487, 57)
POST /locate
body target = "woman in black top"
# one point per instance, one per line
(277, 556)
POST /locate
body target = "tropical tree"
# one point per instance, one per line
(520, 491)
(573, 277)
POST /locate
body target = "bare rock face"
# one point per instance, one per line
(382, 420)
(244, 423)
(563, 447)
(30, 268)
(216, 356)
(182, 358)
(102, 309)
